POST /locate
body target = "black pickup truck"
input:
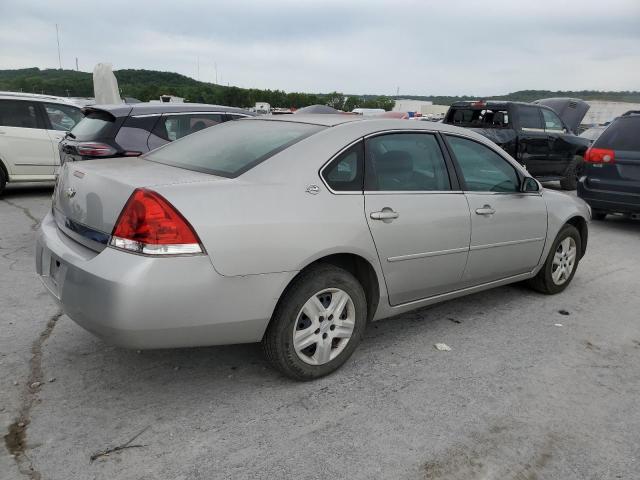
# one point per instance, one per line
(533, 133)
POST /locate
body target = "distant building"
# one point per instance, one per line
(422, 107)
(602, 111)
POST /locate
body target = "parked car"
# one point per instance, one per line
(269, 229)
(532, 134)
(30, 128)
(129, 130)
(611, 181)
(593, 133)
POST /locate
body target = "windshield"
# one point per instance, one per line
(230, 149)
(622, 134)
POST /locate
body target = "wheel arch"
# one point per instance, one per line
(358, 266)
(581, 225)
(4, 169)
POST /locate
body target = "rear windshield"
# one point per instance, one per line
(232, 148)
(622, 134)
(95, 125)
(479, 118)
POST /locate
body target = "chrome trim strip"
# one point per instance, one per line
(506, 244)
(87, 236)
(412, 192)
(413, 256)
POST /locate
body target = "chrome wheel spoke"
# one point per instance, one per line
(313, 308)
(338, 303)
(304, 338)
(343, 332)
(323, 352)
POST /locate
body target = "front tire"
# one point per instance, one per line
(598, 214)
(318, 323)
(570, 182)
(3, 180)
(561, 263)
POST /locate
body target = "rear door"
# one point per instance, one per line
(533, 143)
(508, 227)
(623, 175)
(25, 146)
(173, 126)
(418, 217)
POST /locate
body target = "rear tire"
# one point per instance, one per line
(561, 263)
(598, 214)
(331, 331)
(570, 182)
(3, 180)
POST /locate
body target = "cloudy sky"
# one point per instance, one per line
(440, 47)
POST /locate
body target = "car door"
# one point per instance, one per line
(418, 217)
(59, 119)
(560, 150)
(533, 144)
(25, 146)
(173, 126)
(508, 227)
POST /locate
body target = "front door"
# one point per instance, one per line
(533, 142)
(417, 216)
(508, 227)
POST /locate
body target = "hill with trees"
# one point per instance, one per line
(148, 85)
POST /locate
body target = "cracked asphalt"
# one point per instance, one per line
(525, 393)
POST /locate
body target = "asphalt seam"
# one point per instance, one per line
(16, 438)
(26, 211)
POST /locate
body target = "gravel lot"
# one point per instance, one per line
(526, 392)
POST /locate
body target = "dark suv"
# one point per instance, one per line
(129, 130)
(611, 181)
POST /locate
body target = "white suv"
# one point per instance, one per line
(31, 126)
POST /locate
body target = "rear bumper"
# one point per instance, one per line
(139, 301)
(607, 200)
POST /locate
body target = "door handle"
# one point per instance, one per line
(486, 210)
(386, 215)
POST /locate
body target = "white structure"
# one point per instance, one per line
(366, 112)
(602, 111)
(262, 108)
(424, 108)
(105, 85)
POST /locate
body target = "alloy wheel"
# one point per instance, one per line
(564, 261)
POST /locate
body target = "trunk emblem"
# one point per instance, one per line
(70, 192)
(313, 189)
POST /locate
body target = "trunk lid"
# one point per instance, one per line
(89, 196)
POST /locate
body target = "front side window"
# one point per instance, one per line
(551, 120)
(345, 173)
(16, 113)
(483, 170)
(530, 118)
(232, 148)
(173, 127)
(406, 162)
(63, 117)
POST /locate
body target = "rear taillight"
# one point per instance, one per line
(95, 149)
(149, 224)
(599, 155)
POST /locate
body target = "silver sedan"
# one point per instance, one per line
(297, 232)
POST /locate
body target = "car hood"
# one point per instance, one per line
(570, 110)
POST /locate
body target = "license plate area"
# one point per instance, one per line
(52, 272)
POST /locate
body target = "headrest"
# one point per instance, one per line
(394, 161)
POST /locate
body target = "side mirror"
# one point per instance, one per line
(530, 185)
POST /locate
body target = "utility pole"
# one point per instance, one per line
(77, 64)
(58, 40)
(198, 68)
(215, 66)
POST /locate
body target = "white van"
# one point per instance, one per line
(368, 111)
(31, 126)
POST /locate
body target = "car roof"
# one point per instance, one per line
(148, 108)
(494, 104)
(36, 97)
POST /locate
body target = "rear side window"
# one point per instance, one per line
(622, 134)
(479, 118)
(232, 148)
(174, 127)
(96, 124)
(530, 118)
(16, 113)
(63, 117)
(345, 173)
(135, 131)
